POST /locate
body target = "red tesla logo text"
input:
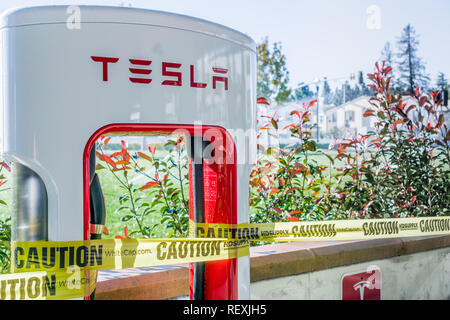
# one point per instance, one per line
(140, 73)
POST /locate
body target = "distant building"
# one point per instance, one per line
(347, 119)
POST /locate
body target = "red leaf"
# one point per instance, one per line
(274, 190)
(124, 168)
(434, 95)
(299, 166)
(368, 113)
(293, 219)
(410, 108)
(143, 155)
(277, 210)
(4, 165)
(293, 189)
(125, 231)
(262, 100)
(107, 159)
(297, 113)
(288, 126)
(377, 66)
(311, 104)
(106, 142)
(148, 185)
(397, 122)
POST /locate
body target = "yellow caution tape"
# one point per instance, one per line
(67, 269)
(120, 254)
(72, 284)
(326, 230)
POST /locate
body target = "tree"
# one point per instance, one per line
(387, 55)
(273, 76)
(364, 89)
(327, 94)
(441, 82)
(411, 68)
(348, 93)
(302, 92)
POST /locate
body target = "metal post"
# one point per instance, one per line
(317, 93)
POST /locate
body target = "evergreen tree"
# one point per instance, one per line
(364, 89)
(273, 76)
(302, 92)
(348, 93)
(387, 55)
(361, 79)
(411, 68)
(441, 82)
(327, 94)
(338, 97)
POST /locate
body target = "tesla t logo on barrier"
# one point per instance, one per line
(140, 72)
(363, 285)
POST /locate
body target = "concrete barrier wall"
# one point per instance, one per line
(424, 275)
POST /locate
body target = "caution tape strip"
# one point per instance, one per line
(363, 229)
(42, 285)
(120, 254)
(67, 269)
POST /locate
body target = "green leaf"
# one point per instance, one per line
(126, 218)
(98, 166)
(120, 209)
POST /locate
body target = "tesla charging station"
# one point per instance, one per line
(122, 71)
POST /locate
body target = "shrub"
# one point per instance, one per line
(409, 171)
(401, 169)
(163, 192)
(5, 224)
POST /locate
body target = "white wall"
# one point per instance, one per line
(419, 276)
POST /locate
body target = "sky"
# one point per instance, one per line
(320, 38)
